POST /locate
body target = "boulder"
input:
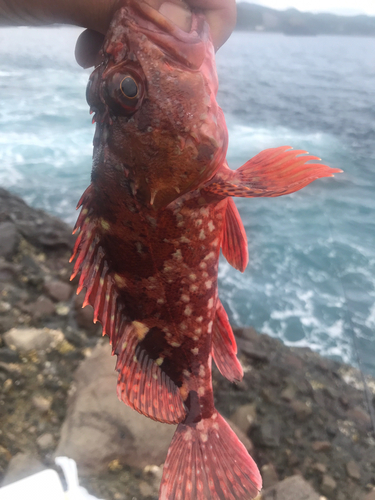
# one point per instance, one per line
(99, 428)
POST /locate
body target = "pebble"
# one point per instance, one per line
(269, 475)
(41, 403)
(302, 410)
(244, 417)
(328, 485)
(45, 441)
(42, 308)
(321, 446)
(353, 471)
(27, 339)
(58, 290)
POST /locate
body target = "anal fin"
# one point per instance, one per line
(224, 347)
(143, 385)
(234, 243)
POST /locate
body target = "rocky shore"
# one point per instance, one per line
(303, 417)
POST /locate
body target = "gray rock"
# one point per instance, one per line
(41, 403)
(99, 428)
(9, 239)
(321, 446)
(269, 476)
(371, 495)
(58, 290)
(244, 417)
(301, 410)
(292, 488)
(267, 433)
(45, 441)
(328, 485)
(42, 308)
(26, 339)
(353, 471)
(22, 465)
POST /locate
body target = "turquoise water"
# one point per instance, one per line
(311, 276)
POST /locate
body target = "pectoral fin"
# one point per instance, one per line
(273, 172)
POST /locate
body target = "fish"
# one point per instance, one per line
(153, 221)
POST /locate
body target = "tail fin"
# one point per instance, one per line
(206, 461)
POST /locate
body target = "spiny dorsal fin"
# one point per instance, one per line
(141, 383)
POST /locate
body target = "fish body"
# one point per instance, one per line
(153, 220)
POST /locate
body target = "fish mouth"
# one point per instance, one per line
(186, 47)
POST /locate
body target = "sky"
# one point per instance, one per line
(343, 7)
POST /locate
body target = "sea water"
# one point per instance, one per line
(311, 275)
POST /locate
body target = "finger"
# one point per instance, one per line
(221, 16)
(87, 49)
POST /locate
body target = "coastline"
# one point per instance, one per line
(297, 412)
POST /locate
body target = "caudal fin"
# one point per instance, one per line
(206, 461)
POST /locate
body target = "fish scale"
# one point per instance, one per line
(152, 223)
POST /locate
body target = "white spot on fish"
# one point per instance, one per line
(193, 277)
(208, 284)
(161, 301)
(198, 331)
(185, 298)
(201, 391)
(210, 303)
(177, 255)
(202, 371)
(193, 288)
(215, 242)
(195, 351)
(205, 211)
(203, 265)
(183, 239)
(198, 222)
(204, 437)
(211, 226)
(209, 256)
(199, 319)
(202, 235)
(188, 310)
(209, 327)
(175, 344)
(183, 326)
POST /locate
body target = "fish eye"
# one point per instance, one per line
(129, 87)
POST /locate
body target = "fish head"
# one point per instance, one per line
(154, 96)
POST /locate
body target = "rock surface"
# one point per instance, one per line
(299, 413)
(292, 488)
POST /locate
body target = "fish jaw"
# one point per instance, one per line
(171, 137)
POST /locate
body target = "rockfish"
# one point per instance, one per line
(153, 220)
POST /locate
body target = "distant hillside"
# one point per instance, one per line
(253, 17)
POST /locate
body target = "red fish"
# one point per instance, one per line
(153, 220)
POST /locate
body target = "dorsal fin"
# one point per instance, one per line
(142, 384)
(234, 243)
(224, 347)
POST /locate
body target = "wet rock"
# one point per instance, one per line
(289, 393)
(45, 441)
(58, 290)
(321, 446)
(302, 410)
(294, 487)
(26, 339)
(361, 418)
(319, 468)
(371, 495)
(328, 485)
(244, 417)
(22, 465)
(99, 428)
(353, 471)
(9, 239)
(269, 476)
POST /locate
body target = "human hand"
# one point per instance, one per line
(220, 14)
